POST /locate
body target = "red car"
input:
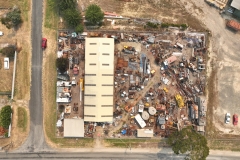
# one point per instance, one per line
(235, 119)
(44, 43)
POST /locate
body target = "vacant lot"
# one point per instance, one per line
(21, 37)
(163, 10)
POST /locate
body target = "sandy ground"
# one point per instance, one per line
(225, 48)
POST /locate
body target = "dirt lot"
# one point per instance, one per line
(225, 48)
(155, 9)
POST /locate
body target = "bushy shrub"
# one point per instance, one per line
(94, 14)
(72, 17)
(79, 28)
(5, 116)
(152, 25)
(9, 51)
(62, 64)
(12, 18)
(166, 25)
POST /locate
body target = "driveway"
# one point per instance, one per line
(36, 141)
(225, 49)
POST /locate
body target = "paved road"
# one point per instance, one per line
(161, 155)
(90, 155)
(35, 140)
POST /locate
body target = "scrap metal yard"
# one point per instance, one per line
(159, 83)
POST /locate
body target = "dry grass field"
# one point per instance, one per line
(167, 11)
(21, 37)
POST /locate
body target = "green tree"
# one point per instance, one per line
(5, 116)
(9, 51)
(62, 64)
(189, 141)
(72, 17)
(12, 18)
(94, 15)
(66, 4)
(79, 28)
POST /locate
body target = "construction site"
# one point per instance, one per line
(158, 83)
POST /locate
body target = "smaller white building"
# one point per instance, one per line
(6, 63)
(143, 133)
(73, 128)
(140, 121)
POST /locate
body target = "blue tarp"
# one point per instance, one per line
(124, 131)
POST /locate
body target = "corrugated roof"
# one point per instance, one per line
(144, 133)
(99, 71)
(73, 128)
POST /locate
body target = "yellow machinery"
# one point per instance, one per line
(179, 100)
(165, 89)
(82, 84)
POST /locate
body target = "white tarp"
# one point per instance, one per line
(140, 121)
(59, 123)
(177, 54)
(59, 54)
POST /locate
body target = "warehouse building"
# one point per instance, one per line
(99, 72)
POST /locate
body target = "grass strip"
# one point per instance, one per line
(22, 118)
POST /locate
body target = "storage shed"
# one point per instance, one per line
(73, 128)
(142, 133)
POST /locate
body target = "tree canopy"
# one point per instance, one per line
(72, 17)
(9, 51)
(79, 28)
(62, 64)
(66, 4)
(12, 18)
(189, 141)
(5, 116)
(94, 15)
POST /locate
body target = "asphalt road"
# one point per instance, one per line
(35, 140)
(109, 156)
(90, 155)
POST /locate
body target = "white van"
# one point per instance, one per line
(6, 63)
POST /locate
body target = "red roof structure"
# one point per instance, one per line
(233, 24)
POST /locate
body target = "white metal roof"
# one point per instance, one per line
(140, 121)
(144, 133)
(73, 128)
(236, 4)
(99, 82)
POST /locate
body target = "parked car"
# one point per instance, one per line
(235, 119)
(227, 118)
(1, 33)
(44, 43)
